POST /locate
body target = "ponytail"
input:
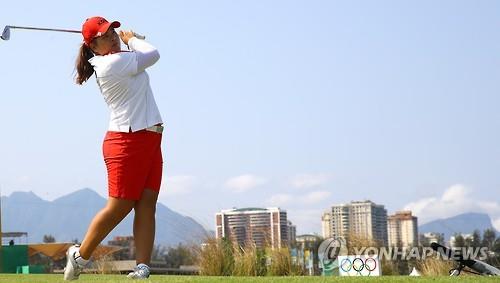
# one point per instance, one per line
(84, 69)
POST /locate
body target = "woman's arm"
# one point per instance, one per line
(147, 54)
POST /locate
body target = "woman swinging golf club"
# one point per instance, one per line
(131, 147)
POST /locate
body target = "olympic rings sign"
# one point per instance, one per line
(359, 265)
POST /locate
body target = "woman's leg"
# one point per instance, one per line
(144, 226)
(104, 221)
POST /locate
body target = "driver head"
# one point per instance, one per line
(6, 33)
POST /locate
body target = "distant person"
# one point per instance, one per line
(131, 147)
(11, 242)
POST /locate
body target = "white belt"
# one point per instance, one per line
(156, 129)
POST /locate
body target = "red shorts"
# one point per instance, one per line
(134, 163)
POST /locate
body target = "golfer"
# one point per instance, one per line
(131, 147)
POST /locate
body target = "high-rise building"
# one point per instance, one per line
(326, 224)
(292, 232)
(402, 229)
(361, 218)
(262, 226)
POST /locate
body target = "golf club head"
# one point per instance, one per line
(6, 33)
(139, 36)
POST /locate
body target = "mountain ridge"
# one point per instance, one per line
(464, 223)
(67, 218)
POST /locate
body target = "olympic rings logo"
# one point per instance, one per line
(359, 265)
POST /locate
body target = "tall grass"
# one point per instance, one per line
(249, 261)
(215, 258)
(220, 257)
(434, 266)
(281, 263)
(389, 267)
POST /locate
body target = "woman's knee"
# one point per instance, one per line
(149, 196)
(119, 207)
(148, 201)
(145, 209)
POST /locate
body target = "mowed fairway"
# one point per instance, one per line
(50, 278)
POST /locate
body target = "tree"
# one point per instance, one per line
(180, 255)
(476, 239)
(158, 252)
(440, 238)
(489, 237)
(468, 242)
(496, 246)
(49, 239)
(424, 241)
(459, 241)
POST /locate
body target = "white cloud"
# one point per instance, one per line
(303, 181)
(420, 205)
(315, 197)
(455, 200)
(454, 194)
(304, 200)
(244, 182)
(177, 185)
(279, 200)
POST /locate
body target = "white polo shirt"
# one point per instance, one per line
(125, 87)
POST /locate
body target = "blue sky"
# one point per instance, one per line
(297, 104)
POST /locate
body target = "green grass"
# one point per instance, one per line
(51, 278)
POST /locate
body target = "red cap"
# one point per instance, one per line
(95, 27)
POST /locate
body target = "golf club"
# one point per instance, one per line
(6, 31)
(480, 267)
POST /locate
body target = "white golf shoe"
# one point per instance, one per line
(141, 271)
(73, 269)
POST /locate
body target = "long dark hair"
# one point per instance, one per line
(84, 69)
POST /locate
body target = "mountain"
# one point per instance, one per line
(68, 217)
(464, 223)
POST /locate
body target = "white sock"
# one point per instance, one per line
(80, 260)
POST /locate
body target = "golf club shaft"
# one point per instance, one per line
(46, 29)
(64, 30)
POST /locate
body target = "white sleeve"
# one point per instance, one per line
(120, 64)
(147, 54)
